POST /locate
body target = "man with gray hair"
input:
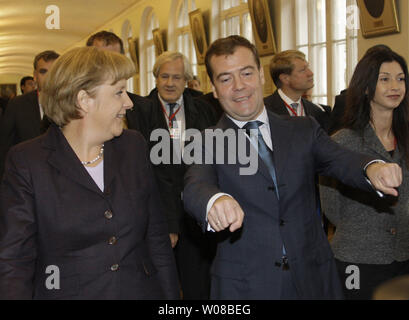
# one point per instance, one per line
(175, 110)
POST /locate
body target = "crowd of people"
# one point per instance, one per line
(81, 192)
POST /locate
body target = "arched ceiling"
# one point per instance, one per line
(23, 30)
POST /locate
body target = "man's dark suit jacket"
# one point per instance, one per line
(3, 105)
(217, 107)
(53, 213)
(135, 116)
(20, 122)
(275, 104)
(244, 267)
(198, 115)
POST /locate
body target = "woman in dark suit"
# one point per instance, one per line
(80, 214)
(371, 242)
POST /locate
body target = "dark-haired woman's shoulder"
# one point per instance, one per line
(347, 137)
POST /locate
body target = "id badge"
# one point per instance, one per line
(174, 133)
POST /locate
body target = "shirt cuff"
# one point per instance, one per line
(380, 194)
(210, 205)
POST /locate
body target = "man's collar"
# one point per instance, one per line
(286, 99)
(179, 101)
(263, 117)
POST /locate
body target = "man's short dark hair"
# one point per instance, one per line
(228, 46)
(24, 79)
(47, 55)
(107, 37)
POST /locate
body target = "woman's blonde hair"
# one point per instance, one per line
(79, 69)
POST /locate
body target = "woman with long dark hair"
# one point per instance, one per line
(371, 242)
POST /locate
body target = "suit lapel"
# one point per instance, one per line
(281, 136)
(224, 124)
(276, 104)
(111, 163)
(309, 109)
(63, 159)
(191, 112)
(374, 144)
(34, 109)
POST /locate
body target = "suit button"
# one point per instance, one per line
(393, 231)
(115, 267)
(282, 223)
(107, 192)
(112, 240)
(277, 264)
(108, 214)
(271, 188)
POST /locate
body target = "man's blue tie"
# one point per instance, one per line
(263, 150)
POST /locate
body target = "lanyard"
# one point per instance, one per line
(292, 109)
(173, 115)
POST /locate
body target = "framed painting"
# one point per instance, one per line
(198, 34)
(262, 27)
(134, 52)
(158, 41)
(378, 17)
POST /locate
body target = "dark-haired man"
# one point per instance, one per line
(106, 40)
(27, 84)
(23, 115)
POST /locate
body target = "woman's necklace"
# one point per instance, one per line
(101, 152)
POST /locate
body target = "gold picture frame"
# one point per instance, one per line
(262, 27)
(378, 17)
(198, 31)
(134, 52)
(158, 41)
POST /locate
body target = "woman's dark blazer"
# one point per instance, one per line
(106, 245)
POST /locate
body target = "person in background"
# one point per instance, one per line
(372, 233)
(292, 76)
(195, 85)
(175, 111)
(27, 84)
(82, 198)
(22, 119)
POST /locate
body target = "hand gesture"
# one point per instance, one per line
(225, 213)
